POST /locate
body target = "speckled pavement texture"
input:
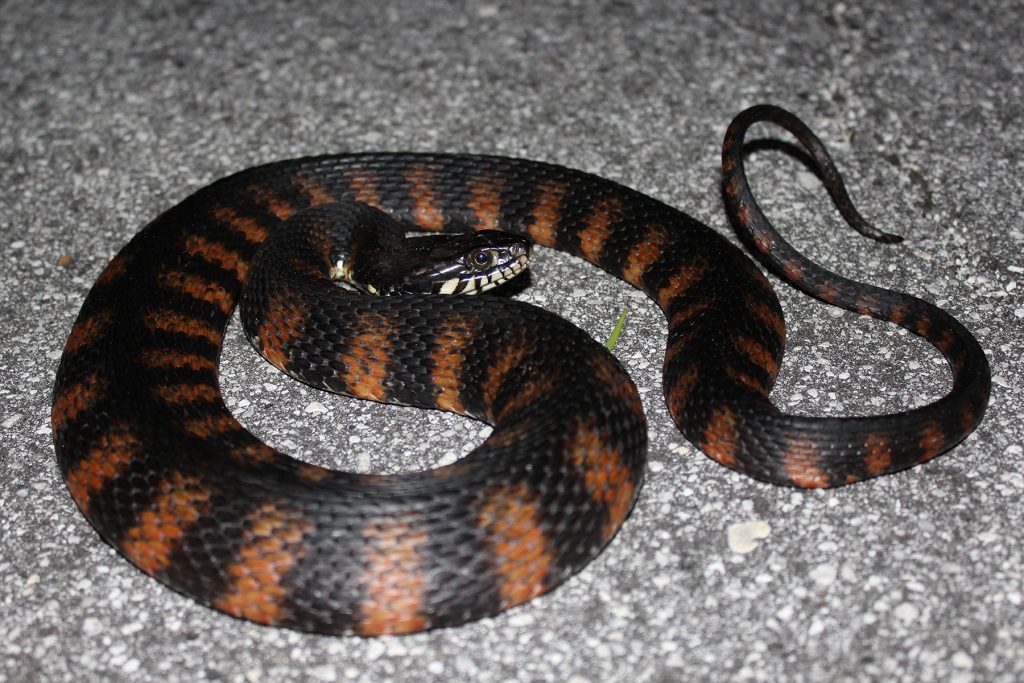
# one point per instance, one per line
(111, 113)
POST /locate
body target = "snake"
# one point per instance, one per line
(335, 285)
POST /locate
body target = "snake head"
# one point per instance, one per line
(462, 264)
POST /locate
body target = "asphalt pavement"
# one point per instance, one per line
(111, 112)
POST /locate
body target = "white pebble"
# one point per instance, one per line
(906, 612)
(661, 581)
(324, 672)
(374, 650)
(129, 629)
(92, 626)
(487, 10)
(519, 619)
(447, 459)
(962, 660)
(807, 180)
(744, 537)
(824, 574)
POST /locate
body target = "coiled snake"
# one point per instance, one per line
(156, 462)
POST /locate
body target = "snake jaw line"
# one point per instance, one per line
(482, 283)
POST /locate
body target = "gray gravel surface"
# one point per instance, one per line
(113, 111)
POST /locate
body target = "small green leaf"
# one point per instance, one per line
(614, 339)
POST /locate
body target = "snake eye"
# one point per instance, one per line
(481, 258)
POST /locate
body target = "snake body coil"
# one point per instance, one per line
(156, 462)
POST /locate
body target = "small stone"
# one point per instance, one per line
(133, 627)
(744, 537)
(375, 649)
(824, 574)
(807, 180)
(520, 619)
(962, 660)
(11, 421)
(324, 672)
(92, 626)
(447, 459)
(906, 612)
(675, 661)
(487, 10)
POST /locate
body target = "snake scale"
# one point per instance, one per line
(159, 466)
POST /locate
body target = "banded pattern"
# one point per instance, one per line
(166, 475)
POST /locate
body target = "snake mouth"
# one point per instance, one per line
(476, 283)
(450, 264)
